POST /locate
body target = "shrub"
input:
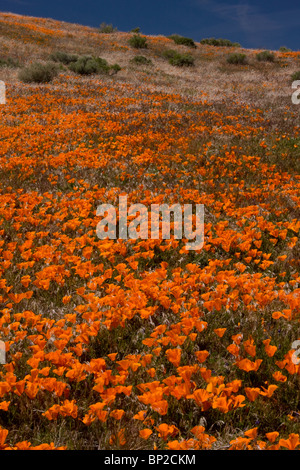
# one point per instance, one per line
(107, 28)
(182, 60)
(136, 30)
(296, 76)
(179, 60)
(183, 40)
(138, 42)
(219, 42)
(284, 49)
(63, 57)
(85, 65)
(101, 65)
(9, 62)
(38, 73)
(88, 65)
(113, 69)
(170, 53)
(265, 56)
(237, 59)
(141, 60)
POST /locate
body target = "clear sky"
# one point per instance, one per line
(265, 24)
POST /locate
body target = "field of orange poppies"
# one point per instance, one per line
(141, 344)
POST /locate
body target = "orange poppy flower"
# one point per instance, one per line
(202, 355)
(247, 365)
(174, 356)
(160, 406)
(272, 436)
(198, 431)
(4, 405)
(233, 349)
(291, 443)
(220, 331)
(252, 433)
(164, 431)
(279, 376)
(268, 392)
(252, 393)
(201, 397)
(270, 350)
(249, 347)
(117, 414)
(145, 433)
(3, 436)
(221, 403)
(240, 443)
(277, 315)
(140, 415)
(112, 356)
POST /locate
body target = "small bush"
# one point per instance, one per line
(284, 49)
(219, 42)
(101, 65)
(181, 40)
(296, 76)
(170, 53)
(141, 60)
(88, 65)
(9, 62)
(177, 59)
(138, 42)
(237, 59)
(107, 28)
(113, 69)
(136, 30)
(85, 65)
(63, 57)
(265, 56)
(38, 73)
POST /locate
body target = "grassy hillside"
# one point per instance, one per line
(142, 344)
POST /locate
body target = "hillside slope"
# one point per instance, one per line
(140, 343)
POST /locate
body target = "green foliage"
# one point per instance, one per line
(296, 76)
(138, 42)
(170, 53)
(9, 62)
(181, 40)
(219, 42)
(88, 65)
(284, 49)
(136, 30)
(85, 65)
(107, 28)
(101, 65)
(141, 60)
(285, 155)
(63, 57)
(113, 69)
(177, 59)
(265, 56)
(38, 73)
(237, 59)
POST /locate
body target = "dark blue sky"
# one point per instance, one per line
(255, 24)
